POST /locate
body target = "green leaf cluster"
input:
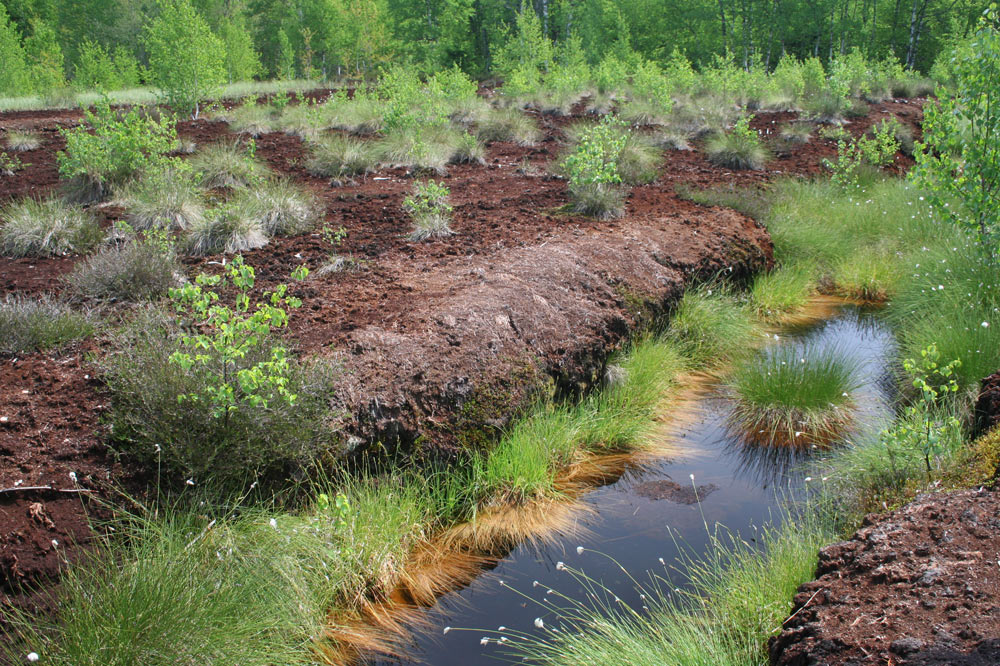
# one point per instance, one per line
(114, 146)
(597, 154)
(221, 336)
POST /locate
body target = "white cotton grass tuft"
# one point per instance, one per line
(33, 657)
(446, 630)
(539, 623)
(579, 550)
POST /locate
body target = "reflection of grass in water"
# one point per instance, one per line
(794, 395)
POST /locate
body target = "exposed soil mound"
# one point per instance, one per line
(919, 586)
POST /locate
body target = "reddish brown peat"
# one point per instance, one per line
(437, 339)
(917, 587)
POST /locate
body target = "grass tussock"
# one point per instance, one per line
(227, 165)
(37, 324)
(795, 134)
(508, 124)
(782, 291)
(281, 207)
(42, 227)
(20, 141)
(794, 395)
(601, 201)
(418, 149)
(341, 157)
(230, 228)
(168, 200)
(733, 150)
(712, 327)
(253, 120)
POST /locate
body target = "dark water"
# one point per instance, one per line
(630, 529)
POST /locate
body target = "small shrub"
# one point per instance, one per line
(39, 227)
(137, 269)
(21, 142)
(854, 156)
(116, 147)
(592, 169)
(10, 165)
(169, 199)
(222, 403)
(227, 165)
(428, 206)
(230, 228)
(857, 109)
(740, 148)
(281, 207)
(508, 125)
(341, 157)
(36, 324)
(794, 395)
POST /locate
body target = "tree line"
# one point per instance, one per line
(48, 44)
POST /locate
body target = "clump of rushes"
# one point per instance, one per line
(232, 227)
(281, 207)
(640, 160)
(135, 269)
(868, 275)
(428, 206)
(794, 395)
(592, 168)
(169, 199)
(711, 327)
(40, 227)
(739, 148)
(508, 124)
(826, 108)
(36, 324)
(21, 142)
(782, 291)
(795, 133)
(340, 157)
(228, 165)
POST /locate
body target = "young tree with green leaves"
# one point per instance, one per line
(45, 58)
(242, 59)
(14, 77)
(959, 160)
(186, 60)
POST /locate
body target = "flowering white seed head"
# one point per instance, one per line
(539, 622)
(446, 630)
(579, 550)
(274, 523)
(33, 656)
(484, 640)
(560, 566)
(501, 628)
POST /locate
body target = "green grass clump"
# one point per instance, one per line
(131, 270)
(426, 150)
(711, 327)
(281, 207)
(170, 199)
(781, 291)
(41, 227)
(252, 119)
(509, 124)
(227, 165)
(639, 163)
(341, 157)
(868, 275)
(468, 150)
(36, 324)
(796, 133)
(739, 148)
(230, 228)
(794, 395)
(20, 141)
(737, 596)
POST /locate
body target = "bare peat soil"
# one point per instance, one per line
(917, 587)
(441, 342)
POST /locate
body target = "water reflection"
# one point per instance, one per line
(636, 528)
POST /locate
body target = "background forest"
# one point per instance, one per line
(48, 45)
